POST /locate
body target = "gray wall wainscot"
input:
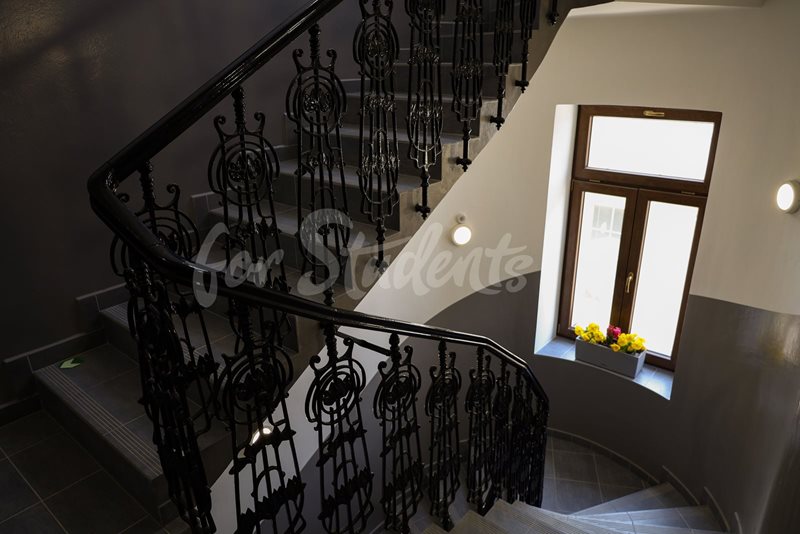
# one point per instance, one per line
(732, 424)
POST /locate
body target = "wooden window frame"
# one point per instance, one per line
(580, 162)
(639, 191)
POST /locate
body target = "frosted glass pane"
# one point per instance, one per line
(598, 250)
(662, 274)
(659, 148)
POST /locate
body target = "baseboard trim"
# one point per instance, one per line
(17, 409)
(643, 473)
(670, 477)
(64, 348)
(710, 501)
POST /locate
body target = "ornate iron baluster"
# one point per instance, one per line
(424, 119)
(519, 425)
(169, 366)
(165, 380)
(467, 75)
(316, 103)
(396, 409)
(503, 46)
(478, 406)
(333, 404)
(376, 49)
(536, 449)
(553, 16)
(253, 390)
(501, 413)
(527, 15)
(441, 405)
(241, 171)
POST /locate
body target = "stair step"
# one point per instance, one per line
(471, 523)
(696, 517)
(350, 146)
(97, 402)
(656, 497)
(532, 520)
(285, 190)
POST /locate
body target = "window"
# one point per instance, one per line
(640, 181)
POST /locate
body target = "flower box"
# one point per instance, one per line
(619, 362)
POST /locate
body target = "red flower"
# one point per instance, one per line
(613, 332)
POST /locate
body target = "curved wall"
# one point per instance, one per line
(732, 423)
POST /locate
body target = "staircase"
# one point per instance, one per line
(659, 509)
(184, 393)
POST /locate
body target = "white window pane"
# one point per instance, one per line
(665, 258)
(654, 147)
(598, 250)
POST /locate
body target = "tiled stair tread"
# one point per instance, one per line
(405, 182)
(286, 219)
(80, 395)
(472, 522)
(534, 521)
(74, 395)
(697, 517)
(661, 496)
(217, 326)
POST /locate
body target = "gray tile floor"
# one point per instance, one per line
(50, 484)
(577, 477)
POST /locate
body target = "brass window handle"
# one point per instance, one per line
(628, 283)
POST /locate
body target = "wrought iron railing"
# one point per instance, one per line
(499, 407)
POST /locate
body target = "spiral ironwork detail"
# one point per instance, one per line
(503, 47)
(467, 75)
(375, 49)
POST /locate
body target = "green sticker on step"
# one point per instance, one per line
(72, 363)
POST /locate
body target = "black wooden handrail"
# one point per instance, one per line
(124, 223)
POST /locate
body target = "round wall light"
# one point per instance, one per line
(788, 197)
(461, 234)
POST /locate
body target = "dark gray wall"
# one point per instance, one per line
(79, 81)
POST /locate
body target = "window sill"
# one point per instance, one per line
(657, 380)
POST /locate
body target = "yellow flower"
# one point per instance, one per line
(585, 336)
(594, 327)
(579, 330)
(615, 347)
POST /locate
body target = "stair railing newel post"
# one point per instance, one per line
(315, 103)
(333, 405)
(169, 366)
(527, 15)
(467, 74)
(441, 406)
(503, 47)
(395, 407)
(241, 171)
(164, 396)
(425, 113)
(252, 392)
(376, 49)
(480, 445)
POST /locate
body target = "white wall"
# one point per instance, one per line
(740, 61)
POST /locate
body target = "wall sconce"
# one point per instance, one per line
(461, 234)
(788, 197)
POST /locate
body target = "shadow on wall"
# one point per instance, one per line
(783, 508)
